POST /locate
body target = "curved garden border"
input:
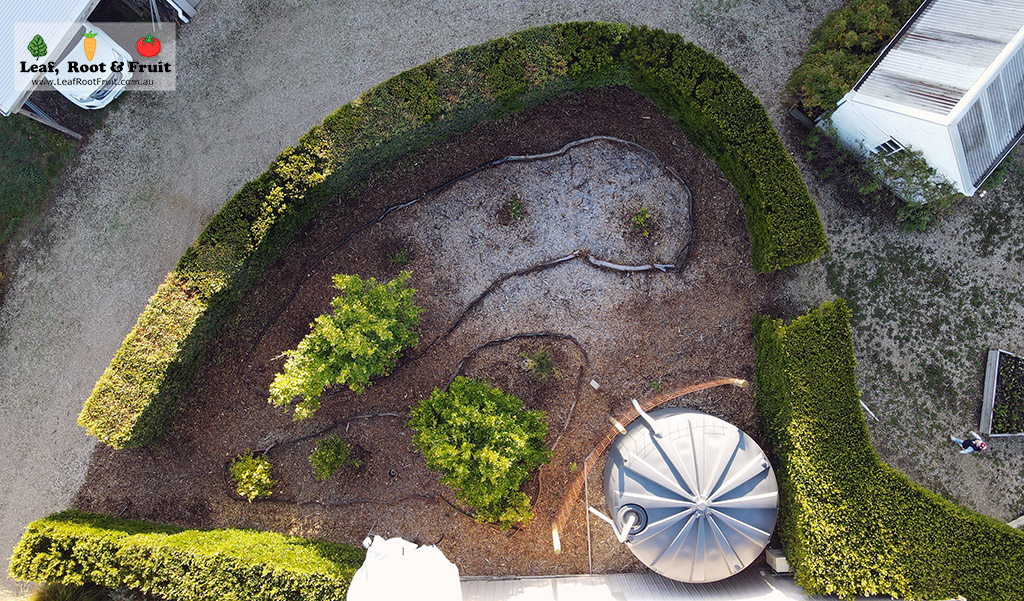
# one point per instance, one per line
(136, 398)
(850, 524)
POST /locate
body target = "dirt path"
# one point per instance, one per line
(253, 76)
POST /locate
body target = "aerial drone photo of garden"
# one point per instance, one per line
(523, 280)
(419, 320)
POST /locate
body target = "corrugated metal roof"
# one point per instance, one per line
(633, 587)
(57, 20)
(943, 52)
(749, 585)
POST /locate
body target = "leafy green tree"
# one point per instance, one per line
(485, 444)
(371, 324)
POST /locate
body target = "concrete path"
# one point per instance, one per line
(253, 76)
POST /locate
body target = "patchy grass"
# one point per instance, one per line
(926, 308)
(32, 159)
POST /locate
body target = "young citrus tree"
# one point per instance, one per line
(251, 475)
(485, 444)
(371, 324)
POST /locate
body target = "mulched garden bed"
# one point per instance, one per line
(634, 333)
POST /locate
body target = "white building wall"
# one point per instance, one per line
(862, 127)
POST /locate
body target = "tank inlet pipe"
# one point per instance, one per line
(576, 485)
(651, 425)
(631, 520)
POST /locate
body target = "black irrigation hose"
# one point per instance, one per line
(465, 358)
(291, 500)
(678, 265)
(331, 426)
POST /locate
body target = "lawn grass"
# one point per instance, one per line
(926, 309)
(32, 159)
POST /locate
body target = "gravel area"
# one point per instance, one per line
(253, 76)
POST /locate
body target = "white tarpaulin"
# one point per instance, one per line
(397, 569)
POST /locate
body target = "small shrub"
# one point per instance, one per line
(400, 258)
(640, 222)
(539, 363)
(252, 476)
(485, 444)
(515, 208)
(841, 50)
(330, 455)
(902, 180)
(369, 328)
(925, 193)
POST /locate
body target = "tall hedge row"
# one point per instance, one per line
(187, 565)
(850, 524)
(138, 394)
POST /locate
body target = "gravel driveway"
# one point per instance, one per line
(253, 76)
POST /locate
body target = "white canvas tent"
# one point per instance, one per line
(398, 569)
(950, 84)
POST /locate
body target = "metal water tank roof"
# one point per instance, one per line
(700, 494)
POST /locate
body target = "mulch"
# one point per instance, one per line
(700, 331)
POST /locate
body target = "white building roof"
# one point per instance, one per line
(942, 53)
(57, 21)
(749, 585)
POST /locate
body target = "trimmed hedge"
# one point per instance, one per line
(73, 547)
(134, 400)
(850, 524)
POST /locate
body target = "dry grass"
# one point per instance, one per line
(926, 308)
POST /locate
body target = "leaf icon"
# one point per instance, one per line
(37, 47)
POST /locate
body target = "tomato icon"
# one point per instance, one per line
(148, 46)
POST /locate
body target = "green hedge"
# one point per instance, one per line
(850, 524)
(187, 565)
(134, 400)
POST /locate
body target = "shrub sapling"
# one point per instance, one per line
(251, 475)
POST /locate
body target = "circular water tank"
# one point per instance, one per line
(700, 493)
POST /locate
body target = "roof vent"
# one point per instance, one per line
(693, 497)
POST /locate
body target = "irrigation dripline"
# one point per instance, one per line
(677, 265)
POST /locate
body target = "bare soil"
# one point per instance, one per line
(634, 333)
